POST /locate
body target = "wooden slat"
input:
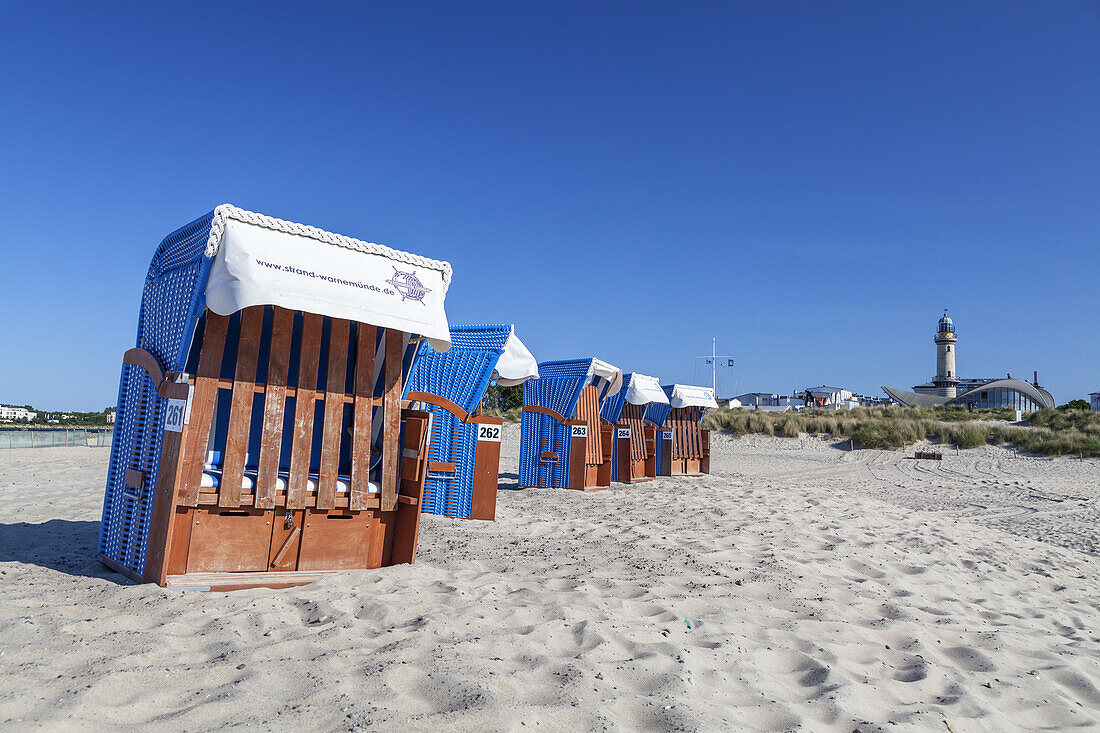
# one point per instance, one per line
(391, 417)
(240, 408)
(403, 526)
(280, 501)
(335, 387)
(588, 409)
(677, 434)
(202, 406)
(271, 435)
(361, 416)
(160, 526)
(632, 416)
(291, 391)
(302, 441)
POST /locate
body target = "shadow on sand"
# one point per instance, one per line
(59, 544)
(508, 482)
(844, 445)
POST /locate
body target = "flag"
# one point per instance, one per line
(730, 363)
(709, 361)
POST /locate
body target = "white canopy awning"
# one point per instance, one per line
(644, 390)
(608, 373)
(516, 365)
(259, 260)
(687, 395)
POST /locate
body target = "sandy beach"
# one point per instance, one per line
(799, 587)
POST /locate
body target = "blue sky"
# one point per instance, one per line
(810, 183)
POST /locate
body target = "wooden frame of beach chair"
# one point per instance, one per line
(682, 444)
(564, 443)
(464, 466)
(455, 492)
(634, 453)
(266, 447)
(690, 442)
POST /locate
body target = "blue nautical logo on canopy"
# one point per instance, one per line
(409, 285)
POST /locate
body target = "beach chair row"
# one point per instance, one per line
(295, 399)
(586, 424)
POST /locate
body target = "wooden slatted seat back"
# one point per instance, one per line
(634, 417)
(588, 410)
(687, 438)
(297, 406)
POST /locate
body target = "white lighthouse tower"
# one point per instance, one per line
(947, 379)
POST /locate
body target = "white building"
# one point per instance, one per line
(830, 398)
(769, 402)
(110, 417)
(16, 414)
(758, 399)
(1094, 399)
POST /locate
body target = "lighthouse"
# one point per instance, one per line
(946, 380)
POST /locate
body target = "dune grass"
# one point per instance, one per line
(509, 415)
(1048, 432)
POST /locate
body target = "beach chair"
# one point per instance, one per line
(464, 460)
(633, 450)
(683, 446)
(260, 438)
(563, 443)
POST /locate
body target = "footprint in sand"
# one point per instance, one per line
(969, 659)
(865, 569)
(1077, 684)
(914, 670)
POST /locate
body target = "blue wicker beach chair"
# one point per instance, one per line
(260, 436)
(563, 443)
(682, 445)
(464, 460)
(633, 451)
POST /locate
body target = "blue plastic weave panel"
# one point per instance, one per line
(540, 433)
(559, 385)
(657, 413)
(614, 456)
(450, 494)
(543, 433)
(461, 375)
(612, 406)
(659, 446)
(171, 301)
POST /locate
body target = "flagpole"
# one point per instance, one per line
(713, 359)
(713, 367)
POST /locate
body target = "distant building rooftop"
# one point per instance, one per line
(998, 394)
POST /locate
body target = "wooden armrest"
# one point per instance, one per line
(441, 402)
(141, 358)
(547, 411)
(436, 467)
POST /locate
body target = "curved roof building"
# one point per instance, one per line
(981, 394)
(998, 394)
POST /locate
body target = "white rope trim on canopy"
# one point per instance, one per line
(229, 211)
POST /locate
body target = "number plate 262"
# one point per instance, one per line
(489, 433)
